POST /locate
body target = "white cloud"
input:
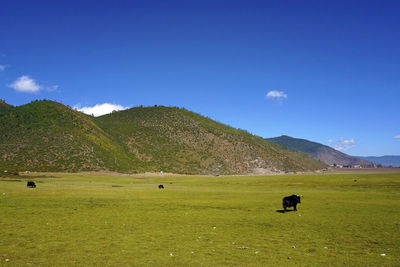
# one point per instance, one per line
(2, 67)
(330, 140)
(276, 94)
(343, 144)
(100, 109)
(25, 84)
(396, 136)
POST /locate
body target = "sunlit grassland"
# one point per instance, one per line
(87, 219)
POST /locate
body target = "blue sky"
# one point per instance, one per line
(333, 67)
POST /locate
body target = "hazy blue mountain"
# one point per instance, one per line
(393, 161)
(319, 151)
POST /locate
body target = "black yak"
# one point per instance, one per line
(31, 184)
(291, 201)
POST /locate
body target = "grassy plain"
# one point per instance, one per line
(111, 220)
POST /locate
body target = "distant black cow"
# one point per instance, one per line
(31, 184)
(291, 201)
(160, 186)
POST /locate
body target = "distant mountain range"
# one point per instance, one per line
(387, 161)
(320, 152)
(49, 136)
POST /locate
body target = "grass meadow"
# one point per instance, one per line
(112, 220)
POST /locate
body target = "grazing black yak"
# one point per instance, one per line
(31, 184)
(291, 201)
(161, 186)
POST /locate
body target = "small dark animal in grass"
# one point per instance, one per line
(160, 186)
(291, 201)
(31, 184)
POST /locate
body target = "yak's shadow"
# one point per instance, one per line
(283, 211)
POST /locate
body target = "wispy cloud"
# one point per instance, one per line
(26, 84)
(52, 88)
(396, 136)
(2, 67)
(343, 144)
(278, 95)
(100, 109)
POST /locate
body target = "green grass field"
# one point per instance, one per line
(110, 220)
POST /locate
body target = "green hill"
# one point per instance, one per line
(4, 106)
(318, 151)
(177, 140)
(49, 136)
